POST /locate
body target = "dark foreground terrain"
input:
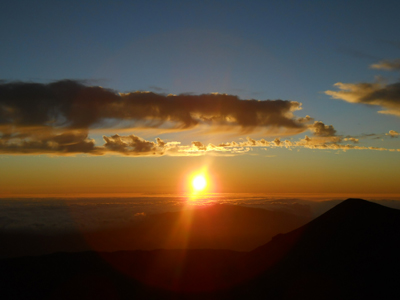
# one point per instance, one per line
(350, 252)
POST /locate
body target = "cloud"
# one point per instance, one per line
(43, 141)
(132, 145)
(393, 133)
(277, 141)
(136, 146)
(377, 93)
(316, 143)
(380, 94)
(199, 145)
(351, 139)
(74, 105)
(389, 65)
(306, 119)
(57, 117)
(320, 129)
(229, 144)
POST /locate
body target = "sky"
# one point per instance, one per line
(108, 97)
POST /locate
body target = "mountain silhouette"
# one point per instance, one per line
(350, 252)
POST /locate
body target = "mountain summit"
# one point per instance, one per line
(351, 251)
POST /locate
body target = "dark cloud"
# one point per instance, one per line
(160, 142)
(132, 145)
(63, 103)
(57, 117)
(277, 141)
(229, 144)
(320, 129)
(38, 143)
(251, 142)
(199, 145)
(75, 105)
(384, 95)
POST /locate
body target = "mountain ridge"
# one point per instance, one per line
(354, 235)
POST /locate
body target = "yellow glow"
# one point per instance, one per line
(199, 183)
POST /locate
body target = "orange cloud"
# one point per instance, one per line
(351, 139)
(393, 133)
(377, 93)
(388, 65)
(320, 129)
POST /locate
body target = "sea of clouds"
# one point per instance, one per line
(92, 213)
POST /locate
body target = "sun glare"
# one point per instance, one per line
(199, 183)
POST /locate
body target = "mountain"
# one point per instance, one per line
(350, 252)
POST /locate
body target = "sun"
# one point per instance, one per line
(199, 183)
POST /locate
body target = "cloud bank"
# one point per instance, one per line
(57, 117)
(74, 105)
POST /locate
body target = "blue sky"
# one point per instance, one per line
(289, 50)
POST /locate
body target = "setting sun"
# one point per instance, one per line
(199, 183)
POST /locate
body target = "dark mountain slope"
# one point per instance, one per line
(157, 274)
(351, 250)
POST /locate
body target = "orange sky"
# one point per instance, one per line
(306, 171)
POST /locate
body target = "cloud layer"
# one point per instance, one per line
(75, 105)
(57, 117)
